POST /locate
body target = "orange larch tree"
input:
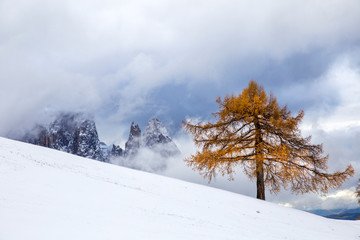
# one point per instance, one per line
(253, 132)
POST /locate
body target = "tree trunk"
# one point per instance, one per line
(260, 184)
(260, 181)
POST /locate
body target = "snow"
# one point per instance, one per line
(48, 194)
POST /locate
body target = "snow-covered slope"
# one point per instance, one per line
(48, 194)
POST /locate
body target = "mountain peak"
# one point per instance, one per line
(156, 137)
(135, 130)
(76, 133)
(70, 132)
(155, 126)
(133, 143)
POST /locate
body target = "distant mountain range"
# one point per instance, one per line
(76, 133)
(344, 214)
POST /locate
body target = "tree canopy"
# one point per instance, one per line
(254, 132)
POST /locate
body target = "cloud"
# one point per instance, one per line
(342, 83)
(333, 120)
(145, 160)
(92, 54)
(337, 125)
(177, 168)
(339, 199)
(344, 199)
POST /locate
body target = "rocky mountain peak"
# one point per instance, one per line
(156, 133)
(76, 133)
(70, 132)
(86, 141)
(134, 142)
(135, 130)
(155, 137)
(155, 126)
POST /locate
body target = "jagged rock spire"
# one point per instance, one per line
(134, 141)
(76, 133)
(156, 137)
(70, 132)
(155, 133)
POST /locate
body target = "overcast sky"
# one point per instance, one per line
(133, 60)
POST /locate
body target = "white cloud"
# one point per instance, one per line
(338, 199)
(343, 80)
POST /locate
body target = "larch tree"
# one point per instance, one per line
(253, 132)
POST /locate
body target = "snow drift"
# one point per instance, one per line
(48, 194)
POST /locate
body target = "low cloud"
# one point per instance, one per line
(344, 199)
(145, 160)
(340, 198)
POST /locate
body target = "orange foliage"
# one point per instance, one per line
(252, 131)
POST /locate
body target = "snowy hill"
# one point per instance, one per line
(48, 194)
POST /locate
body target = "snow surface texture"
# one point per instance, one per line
(48, 194)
